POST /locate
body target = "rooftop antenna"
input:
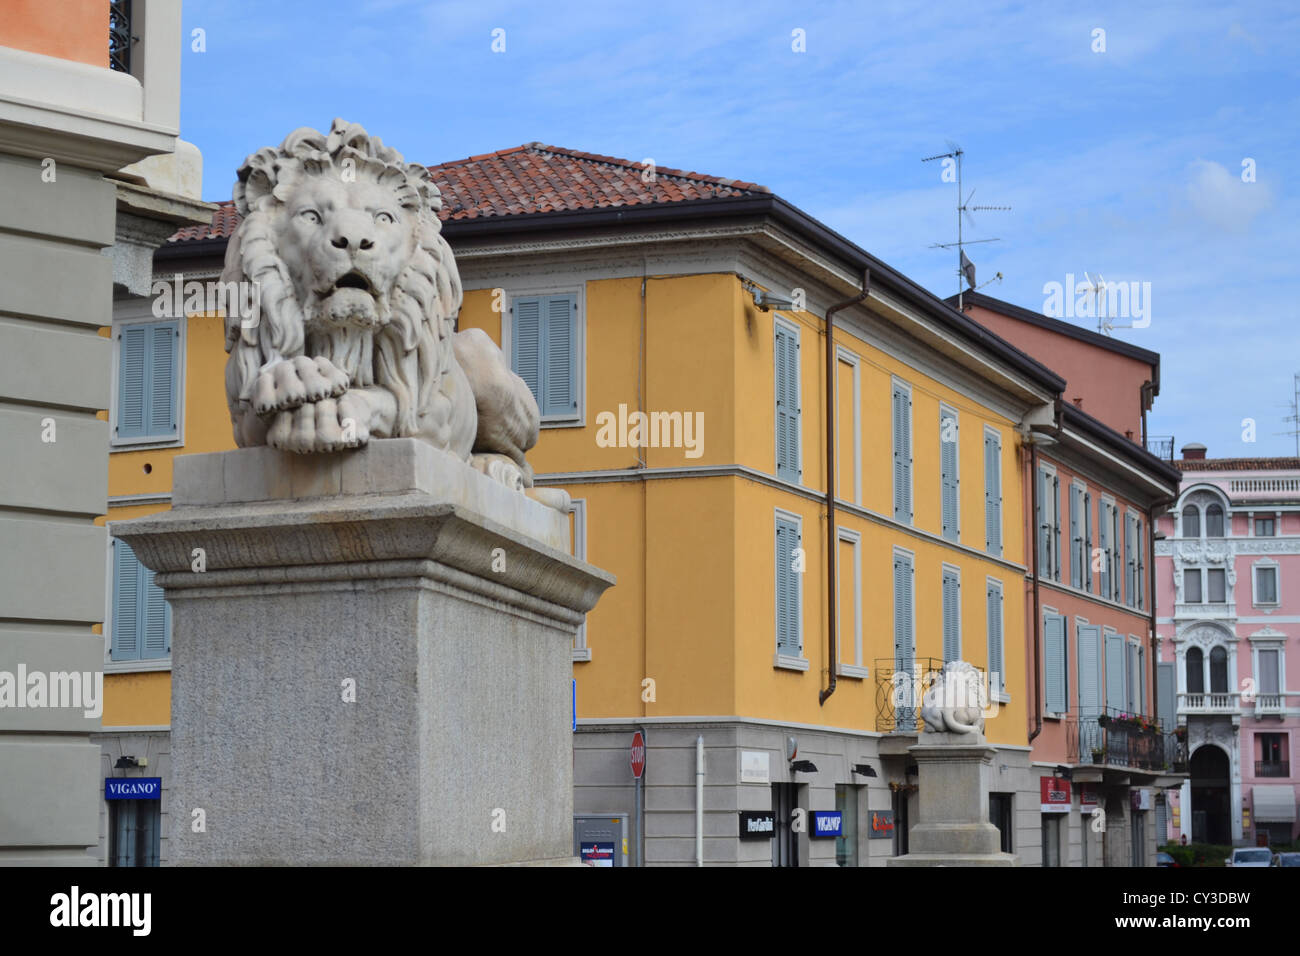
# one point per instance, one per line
(1294, 405)
(965, 268)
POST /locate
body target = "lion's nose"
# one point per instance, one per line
(352, 232)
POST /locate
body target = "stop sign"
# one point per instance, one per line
(638, 755)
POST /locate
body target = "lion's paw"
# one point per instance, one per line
(295, 382)
(323, 426)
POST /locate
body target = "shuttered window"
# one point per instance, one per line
(1134, 695)
(544, 349)
(904, 611)
(141, 617)
(992, 494)
(1116, 665)
(1090, 676)
(997, 662)
(1076, 536)
(786, 362)
(1049, 525)
(1104, 545)
(1141, 565)
(1117, 567)
(1087, 541)
(951, 615)
(789, 632)
(901, 404)
(147, 382)
(1130, 566)
(1055, 677)
(948, 446)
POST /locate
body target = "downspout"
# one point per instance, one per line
(1033, 576)
(832, 534)
(699, 800)
(1151, 591)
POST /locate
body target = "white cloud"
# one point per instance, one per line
(1221, 198)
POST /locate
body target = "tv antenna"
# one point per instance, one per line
(1294, 417)
(965, 268)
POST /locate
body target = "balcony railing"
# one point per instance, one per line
(898, 693)
(1107, 740)
(1264, 486)
(1272, 768)
(1270, 704)
(119, 35)
(1162, 446)
(1213, 703)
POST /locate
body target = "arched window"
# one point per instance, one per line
(1191, 522)
(1195, 671)
(1218, 671)
(1214, 522)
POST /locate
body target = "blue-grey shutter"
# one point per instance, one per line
(786, 363)
(1054, 664)
(789, 640)
(163, 342)
(126, 603)
(992, 495)
(951, 616)
(1116, 666)
(1104, 544)
(1055, 487)
(1141, 564)
(948, 474)
(902, 421)
(155, 618)
(904, 640)
(1076, 539)
(133, 356)
(1043, 522)
(559, 378)
(996, 664)
(1141, 695)
(1089, 637)
(1087, 541)
(1117, 576)
(526, 344)
(1165, 690)
(1128, 560)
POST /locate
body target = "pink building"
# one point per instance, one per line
(1228, 567)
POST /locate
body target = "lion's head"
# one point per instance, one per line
(342, 238)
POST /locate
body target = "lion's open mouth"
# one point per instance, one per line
(353, 280)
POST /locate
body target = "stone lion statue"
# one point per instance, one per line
(353, 330)
(954, 702)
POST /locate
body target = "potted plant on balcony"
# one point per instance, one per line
(1181, 732)
(1103, 720)
(1097, 754)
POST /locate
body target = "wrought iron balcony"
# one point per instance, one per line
(1117, 739)
(119, 35)
(898, 693)
(1162, 446)
(1212, 703)
(1272, 768)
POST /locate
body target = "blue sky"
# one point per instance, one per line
(1125, 163)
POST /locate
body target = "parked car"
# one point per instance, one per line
(1250, 856)
(1286, 859)
(1164, 859)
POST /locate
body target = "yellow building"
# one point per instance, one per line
(689, 424)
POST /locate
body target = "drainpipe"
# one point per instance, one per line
(699, 800)
(832, 534)
(1151, 601)
(1033, 570)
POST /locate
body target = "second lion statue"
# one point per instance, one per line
(353, 330)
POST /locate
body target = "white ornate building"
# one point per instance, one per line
(1229, 567)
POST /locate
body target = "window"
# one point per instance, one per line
(992, 492)
(135, 832)
(786, 362)
(1140, 557)
(1104, 540)
(1052, 839)
(846, 844)
(1265, 584)
(948, 477)
(789, 603)
(1271, 755)
(1192, 586)
(1086, 550)
(1000, 816)
(1078, 554)
(1191, 522)
(849, 572)
(578, 540)
(904, 638)
(148, 383)
(1269, 671)
(1216, 578)
(141, 627)
(951, 614)
(1133, 563)
(1116, 668)
(1055, 676)
(1265, 528)
(1116, 576)
(1195, 671)
(1218, 671)
(1214, 521)
(901, 406)
(1049, 524)
(545, 346)
(1136, 676)
(997, 665)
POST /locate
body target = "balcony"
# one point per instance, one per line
(898, 693)
(1272, 768)
(1270, 705)
(119, 35)
(1162, 446)
(1213, 703)
(1108, 741)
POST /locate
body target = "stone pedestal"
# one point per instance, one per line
(370, 659)
(954, 827)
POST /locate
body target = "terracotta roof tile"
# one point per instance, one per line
(537, 178)
(1237, 464)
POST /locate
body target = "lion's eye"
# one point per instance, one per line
(311, 216)
(385, 217)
